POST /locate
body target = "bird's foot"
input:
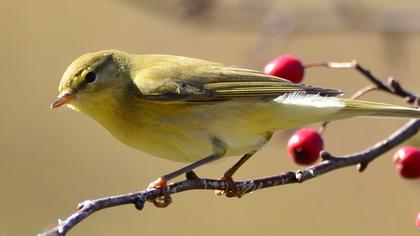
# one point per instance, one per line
(231, 191)
(162, 185)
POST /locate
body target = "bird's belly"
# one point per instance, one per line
(183, 132)
(186, 135)
(193, 144)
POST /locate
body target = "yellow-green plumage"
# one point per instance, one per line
(172, 107)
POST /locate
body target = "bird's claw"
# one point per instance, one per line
(165, 199)
(231, 190)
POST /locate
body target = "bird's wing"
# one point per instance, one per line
(215, 83)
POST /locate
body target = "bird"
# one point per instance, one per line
(196, 111)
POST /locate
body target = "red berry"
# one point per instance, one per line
(304, 146)
(286, 67)
(418, 220)
(407, 162)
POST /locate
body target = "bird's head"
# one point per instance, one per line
(94, 80)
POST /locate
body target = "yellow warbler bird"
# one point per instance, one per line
(191, 110)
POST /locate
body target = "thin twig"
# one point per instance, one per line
(364, 91)
(392, 87)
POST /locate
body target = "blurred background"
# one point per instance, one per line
(51, 160)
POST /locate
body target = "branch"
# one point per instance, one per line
(392, 87)
(328, 163)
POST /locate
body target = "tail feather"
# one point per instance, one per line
(364, 108)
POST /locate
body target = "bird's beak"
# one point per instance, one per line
(61, 100)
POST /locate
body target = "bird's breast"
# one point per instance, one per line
(182, 132)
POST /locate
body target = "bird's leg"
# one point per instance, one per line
(219, 150)
(232, 191)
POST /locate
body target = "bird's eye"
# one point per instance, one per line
(90, 77)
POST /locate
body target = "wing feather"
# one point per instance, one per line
(211, 82)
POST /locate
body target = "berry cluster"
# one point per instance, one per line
(305, 144)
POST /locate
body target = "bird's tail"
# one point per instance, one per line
(365, 108)
(298, 109)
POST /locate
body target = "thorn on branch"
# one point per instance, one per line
(397, 89)
(326, 156)
(362, 166)
(139, 205)
(83, 204)
(394, 84)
